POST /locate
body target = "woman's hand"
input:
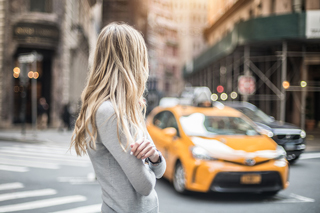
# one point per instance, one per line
(143, 149)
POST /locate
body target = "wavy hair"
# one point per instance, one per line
(119, 73)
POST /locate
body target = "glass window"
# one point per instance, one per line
(44, 6)
(165, 119)
(198, 124)
(160, 120)
(257, 115)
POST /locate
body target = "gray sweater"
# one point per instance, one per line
(127, 182)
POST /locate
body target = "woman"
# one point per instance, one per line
(111, 127)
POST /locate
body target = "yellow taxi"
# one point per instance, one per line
(217, 149)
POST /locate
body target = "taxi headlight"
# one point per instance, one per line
(303, 134)
(281, 153)
(200, 153)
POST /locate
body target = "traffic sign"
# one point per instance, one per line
(246, 85)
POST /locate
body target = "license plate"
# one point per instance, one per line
(250, 179)
(290, 147)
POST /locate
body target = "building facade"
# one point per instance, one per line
(271, 41)
(175, 38)
(63, 33)
(163, 51)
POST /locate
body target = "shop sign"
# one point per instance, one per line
(33, 33)
(313, 24)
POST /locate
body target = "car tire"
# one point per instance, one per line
(292, 161)
(179, 179)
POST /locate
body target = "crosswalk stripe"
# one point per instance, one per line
(41, 149)
(25, 194)
(84, 209)
(42, 203)
(44, 155)
(33, 164)
(38, 149)
(13, 168)
(59, 161)
(7, 186)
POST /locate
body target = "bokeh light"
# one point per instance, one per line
(234, 95)
(35, 75)
(303, 83)
(214, 97)
(224, 96)
(286, 84)
(30, 74)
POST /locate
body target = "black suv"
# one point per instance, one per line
(287, 135)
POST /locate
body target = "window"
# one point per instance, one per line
(159, 120)
(165, 119)
(44, 6)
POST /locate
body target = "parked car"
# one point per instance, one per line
(287, 135)
(216, 149)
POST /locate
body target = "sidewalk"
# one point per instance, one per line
(55, 136)
(41, 136)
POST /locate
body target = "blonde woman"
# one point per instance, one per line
(111, 128)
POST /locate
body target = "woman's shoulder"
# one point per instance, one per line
(105, 109)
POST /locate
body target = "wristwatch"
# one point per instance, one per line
(159, 160)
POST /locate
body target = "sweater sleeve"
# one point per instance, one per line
(161, 167)
(141, 177)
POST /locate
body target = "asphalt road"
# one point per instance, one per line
(45, 178)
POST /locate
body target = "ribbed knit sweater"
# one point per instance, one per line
(127, 182)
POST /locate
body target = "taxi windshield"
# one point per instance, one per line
(198, 124)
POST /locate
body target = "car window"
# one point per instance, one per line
(160, 120)
(172, 122)
(165, 119)
(257, 116)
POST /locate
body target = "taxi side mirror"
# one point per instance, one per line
(170, 132)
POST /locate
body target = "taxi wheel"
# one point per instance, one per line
(179, 180)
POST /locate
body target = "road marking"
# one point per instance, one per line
(34, 193)
(302, 198)
(33, 164)
(43, 154)
(90, 179)
(309, 156)
(68, 162)
(42, 203)
(45, 150)
(292, 198)
(84, 209)
(8, 186)
(13, 168)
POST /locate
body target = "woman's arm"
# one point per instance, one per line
(141, 177)
(144, 148)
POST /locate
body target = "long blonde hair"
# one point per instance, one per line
(119, 74)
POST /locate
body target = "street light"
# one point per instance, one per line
(285, 84)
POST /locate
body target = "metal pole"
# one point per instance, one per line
(246, 65)
(24, 83)
(304, 90)
(283, 78)
(34, 95)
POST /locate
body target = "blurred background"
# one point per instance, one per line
(266, 52)
(191, 42)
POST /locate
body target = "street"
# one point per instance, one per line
(44, 177)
